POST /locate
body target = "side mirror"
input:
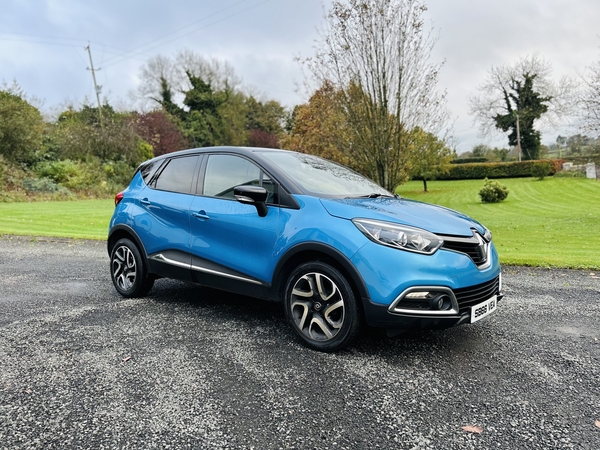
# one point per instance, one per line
(252, 195)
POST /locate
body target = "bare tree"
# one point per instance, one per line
(514, 96)
(377, 54)
(159, 73)
(219, 74)
(163, 77)
(590, 100)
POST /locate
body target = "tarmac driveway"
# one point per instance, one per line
(189, 367)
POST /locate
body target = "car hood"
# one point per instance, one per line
(436, 219)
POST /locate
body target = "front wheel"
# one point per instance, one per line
(127, 270)
(321, 307)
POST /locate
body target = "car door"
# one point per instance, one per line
(165, 227)
(232, 247)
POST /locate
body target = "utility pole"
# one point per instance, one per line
(96, 87)
(518, 136)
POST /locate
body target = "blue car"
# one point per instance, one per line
(335, 248)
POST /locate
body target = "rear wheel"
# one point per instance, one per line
(321, 307)
(127, 270)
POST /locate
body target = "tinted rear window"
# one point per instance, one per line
(178, 175)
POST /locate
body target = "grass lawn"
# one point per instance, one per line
(84, 219)
(554, 222)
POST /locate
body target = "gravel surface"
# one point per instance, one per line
(189, 367)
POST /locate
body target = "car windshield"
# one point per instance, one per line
(319, 176)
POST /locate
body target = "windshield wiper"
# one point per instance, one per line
(374, 195)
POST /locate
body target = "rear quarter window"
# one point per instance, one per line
(149, 169)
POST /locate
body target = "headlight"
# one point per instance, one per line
(399, 236)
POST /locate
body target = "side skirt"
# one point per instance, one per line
(183, 266)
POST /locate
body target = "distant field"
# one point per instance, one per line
(554, 222)
(83, 219)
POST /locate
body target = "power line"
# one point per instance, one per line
(130, 54)
(175, 32)
(182, 35)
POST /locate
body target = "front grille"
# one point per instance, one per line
(407, 304)
(473, 295)
(474, 247)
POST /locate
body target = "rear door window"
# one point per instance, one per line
(178, 175)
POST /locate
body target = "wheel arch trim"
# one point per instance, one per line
(112, 240)
(327, 250)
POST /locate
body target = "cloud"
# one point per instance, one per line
(41, 45)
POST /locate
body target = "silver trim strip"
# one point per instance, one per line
(160, 257)
(394, 309)
(227, 275)
(488, 255)
(482, 242)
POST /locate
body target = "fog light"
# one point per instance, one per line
(433, 301)
(440, 302)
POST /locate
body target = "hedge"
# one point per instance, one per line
(468, 160)
(480, 171)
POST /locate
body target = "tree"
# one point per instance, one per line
(202, 123)
(319, 127)
(514, 97)
(577, 142)
(163, 78)
(376, 53)
(590, 100)
(501, 154)
(203, 95)
(430, 156)
(21, 128)
(264, 122)
(523, 107)
(78, 135)
(159, 129)
(233, 113)
(480, 151)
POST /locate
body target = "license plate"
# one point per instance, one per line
(483, 309)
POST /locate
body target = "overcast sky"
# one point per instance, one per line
(42, 44)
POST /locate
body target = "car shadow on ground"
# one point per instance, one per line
(239, 310)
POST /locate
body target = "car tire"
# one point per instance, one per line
(128, 271)
(321, 307)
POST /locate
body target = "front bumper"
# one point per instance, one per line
(408, 290)
(407, 315)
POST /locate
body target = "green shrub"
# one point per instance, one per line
(60, 172)
(144, 151)
(74, 175)
(118, 175)
(43, 185)
(493, 192)
(569, 174)
(12, 175)
(540, 170)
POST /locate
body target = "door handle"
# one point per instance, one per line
(200, 215)
(145, 201)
